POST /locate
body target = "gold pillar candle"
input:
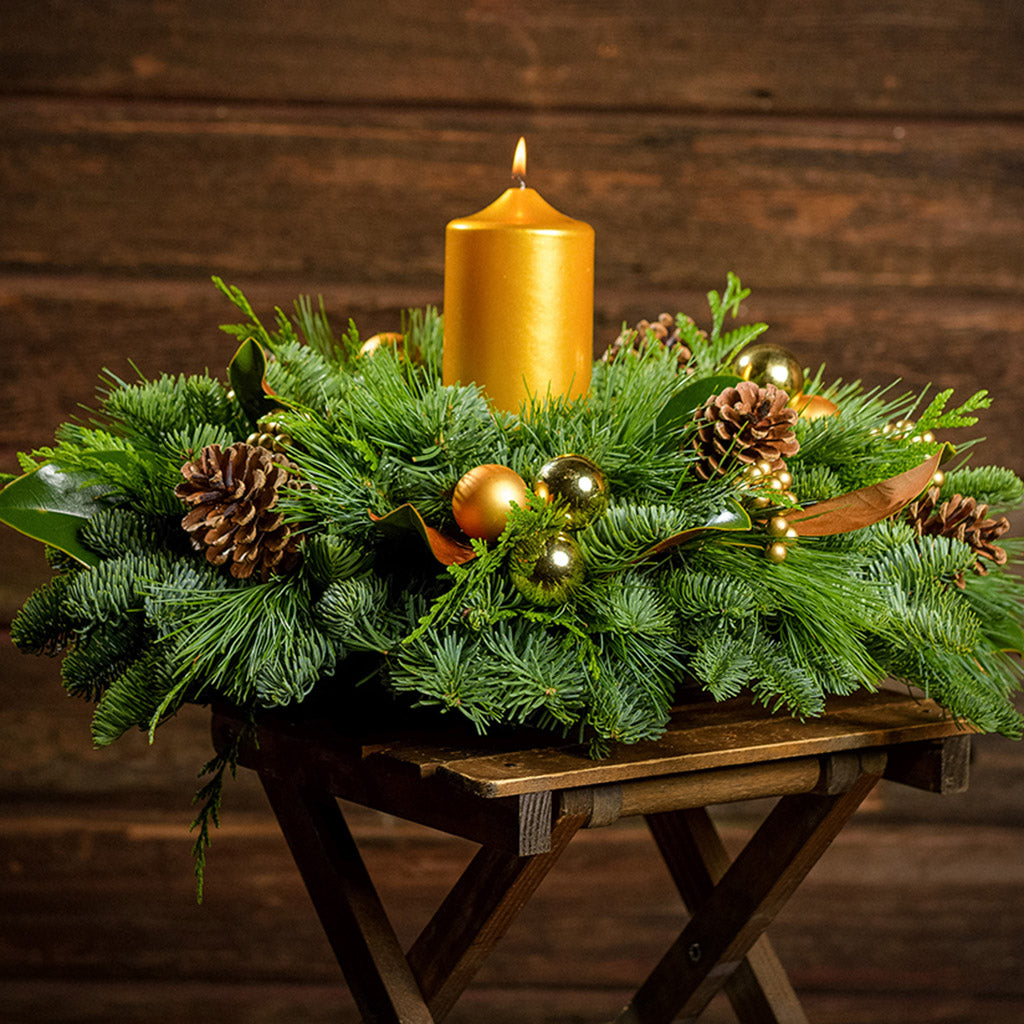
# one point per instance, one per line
(519, 298)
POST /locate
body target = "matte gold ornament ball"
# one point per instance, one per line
(546, 569)
(482, 498)
(577, 485)
(765, 363)
(386, 339)
(814, 407)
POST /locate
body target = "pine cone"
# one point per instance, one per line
(963, 519)
(232, 493)
(665, 331)
(746, 424)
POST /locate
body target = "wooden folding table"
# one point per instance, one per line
(523, 797)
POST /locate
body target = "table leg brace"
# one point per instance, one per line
(751, 892)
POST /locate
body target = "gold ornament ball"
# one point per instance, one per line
(576, 485)
(546, 569)
(777, 526)
(386, 339)
(813, 407)
(765, 363)
(776, 553)
(482, 498)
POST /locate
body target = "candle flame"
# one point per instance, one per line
(519, 163)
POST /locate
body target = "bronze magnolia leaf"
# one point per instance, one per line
(405, 519)
(732, 516)
(866, 506)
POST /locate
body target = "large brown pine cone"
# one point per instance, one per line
(963, 519)
(664, 330)
(744, 424)
(233, 492)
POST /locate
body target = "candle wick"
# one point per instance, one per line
(518, 180)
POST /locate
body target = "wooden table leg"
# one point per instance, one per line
(759, 989)
(476, 913)
(347, 903)
(751, 892)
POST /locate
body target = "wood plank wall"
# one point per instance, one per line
(859, 164)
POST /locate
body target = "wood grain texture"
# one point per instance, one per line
(915, 57)
(96, 913)
(357, 195)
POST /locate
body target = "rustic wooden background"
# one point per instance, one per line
(860, 165)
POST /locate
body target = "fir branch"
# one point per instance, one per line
(453, 673)
(99, 655)
(996, 486)
(300, 375)
(352, 613)
(138, 697)
(42, 625)
(328, 558)
(723, 656)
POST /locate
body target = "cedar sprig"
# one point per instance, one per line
(210, 798)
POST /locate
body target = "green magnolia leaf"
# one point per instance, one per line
(685, 403)
(247, 373)
(732, 516)
(50, 506)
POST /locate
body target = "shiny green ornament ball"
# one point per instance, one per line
(576, 485)
(546, 569)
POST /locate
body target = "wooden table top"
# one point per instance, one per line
(699, 737)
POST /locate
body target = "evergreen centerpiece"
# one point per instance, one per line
(677, 525)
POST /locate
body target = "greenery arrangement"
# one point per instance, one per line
(706, 517)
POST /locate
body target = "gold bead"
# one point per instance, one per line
(482, 498)
(791, 534)
(928, 437)
(939, 478)
(761, 501)
(775, 484)
(776, 552)
(765, 363)
(785, 478)
(765, 467)
(777, 526)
